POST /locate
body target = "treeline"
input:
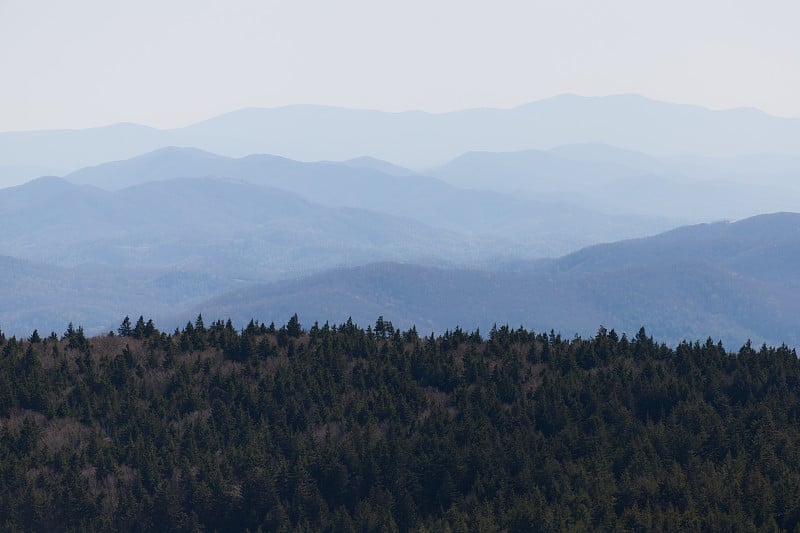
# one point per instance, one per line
(340, 428)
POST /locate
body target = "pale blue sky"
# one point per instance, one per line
(169, 63)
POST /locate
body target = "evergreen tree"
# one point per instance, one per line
(125, 329)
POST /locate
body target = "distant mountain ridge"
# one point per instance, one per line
(614, 180)
(534, 227)
(421, 140)
(543, 171)
(233, 222)
(731, 281)
(45, 297)
(688, 283)
(363, 204)
(201, 224)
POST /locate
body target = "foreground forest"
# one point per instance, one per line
(339, 428)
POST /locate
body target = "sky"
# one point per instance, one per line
(167, 64)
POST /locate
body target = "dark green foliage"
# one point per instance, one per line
(293, 328)
(125, 328)
(343, 429)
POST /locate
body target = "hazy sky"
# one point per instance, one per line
(168, 63)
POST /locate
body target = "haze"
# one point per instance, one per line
(167, 64)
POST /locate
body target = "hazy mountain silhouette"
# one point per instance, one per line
(206, 224)
(534, 171)
(379, 165)
(541, 179)
(422, 140)
(612, 180)
(626, 161)
(46, 297)
(418, 139)
(61, 151)
(36, 295)
(158, 165)
(537, 228)
(729, 280)
(763, 169)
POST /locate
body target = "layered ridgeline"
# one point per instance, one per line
(344, 429)
(546, 226)
(163, 232)
(416, 139)
(612, 180)
(160, 233)
(520, 191)
(204, 224)
(732, 281)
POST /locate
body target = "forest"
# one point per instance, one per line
(337, 427)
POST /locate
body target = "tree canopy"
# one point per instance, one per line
(339, 428)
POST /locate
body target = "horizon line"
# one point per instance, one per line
(130, 123)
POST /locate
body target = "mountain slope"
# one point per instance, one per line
(540, 171)
(39, 296)
(164, 163)
(695, 281)
(379, 165)
(621, 181)
(226, 226)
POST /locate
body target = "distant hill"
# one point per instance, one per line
(421, 140)
(533, 226)
(604, 154)
(45, 297)
(541, 171)
(612, 180)
(62, 151)
(202, 224)
(732, 281)
(766, 169)
(158, 165)
(379, 165)
(181, 240)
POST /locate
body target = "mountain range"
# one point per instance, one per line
(523, 192)
(415, 139)
(543, 227)
(614, 180)
(469, 218)
(204, 224)
(730, 281)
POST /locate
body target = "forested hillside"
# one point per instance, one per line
(339, 428)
